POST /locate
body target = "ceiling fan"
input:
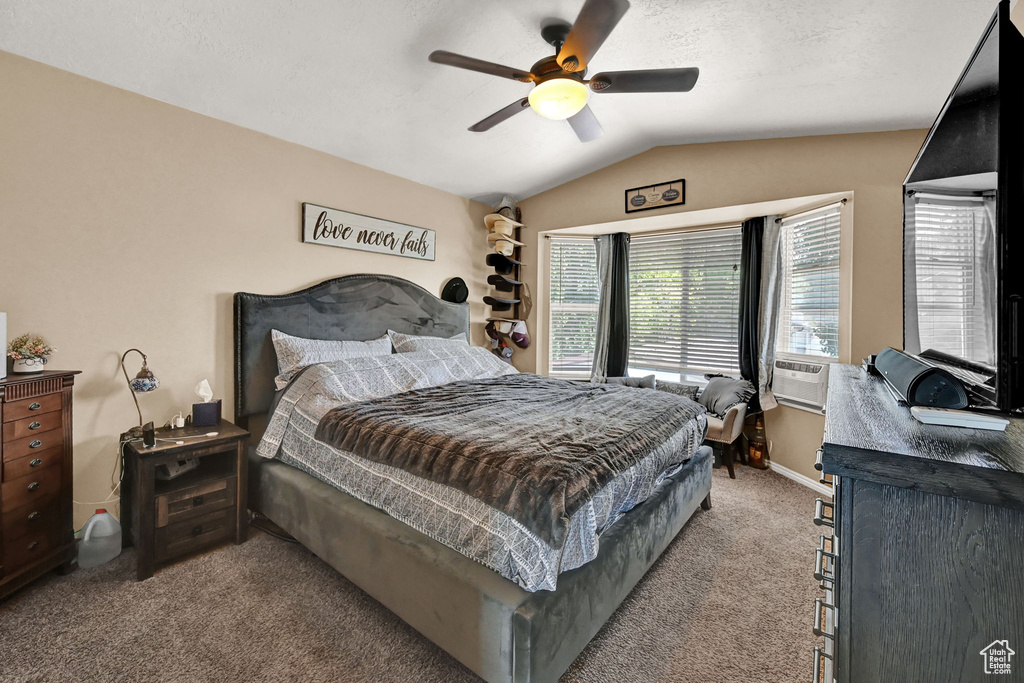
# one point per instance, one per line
(559, 84)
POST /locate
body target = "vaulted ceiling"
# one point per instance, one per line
(351, 78)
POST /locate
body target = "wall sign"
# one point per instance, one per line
(336, 228)
(658, 196)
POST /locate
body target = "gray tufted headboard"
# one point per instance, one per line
(354, 307)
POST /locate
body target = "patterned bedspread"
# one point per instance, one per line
(442, 512)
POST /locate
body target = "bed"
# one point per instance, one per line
(491, 624)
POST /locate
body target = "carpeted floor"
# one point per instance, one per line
(730, 600)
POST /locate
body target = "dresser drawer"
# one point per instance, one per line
(194, 501)
(192, 534)
(37, 517)
(30, 489)
(32, 425)
(30, 445)
(27, 549)
(32, 463)
(30, 407)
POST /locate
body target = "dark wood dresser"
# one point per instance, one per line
(36, 525)
(922, 559)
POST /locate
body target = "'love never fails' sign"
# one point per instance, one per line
(336, 228)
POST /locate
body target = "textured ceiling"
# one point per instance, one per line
(351, 78)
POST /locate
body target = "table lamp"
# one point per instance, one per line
(143, 382)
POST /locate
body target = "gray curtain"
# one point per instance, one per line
(611, 349)
(768, 313)
(750, 300)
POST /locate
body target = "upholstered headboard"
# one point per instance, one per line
(354, 307)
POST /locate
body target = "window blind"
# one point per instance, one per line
(684, 301)
(952, 262)
(809, 302)
(572, 309)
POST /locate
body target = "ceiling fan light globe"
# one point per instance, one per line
(559, 98)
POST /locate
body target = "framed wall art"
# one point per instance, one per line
(337, 228)
(672, 193)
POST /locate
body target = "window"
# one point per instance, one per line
(809, 302)
(684, 302)
(573, 304)
(952, 276)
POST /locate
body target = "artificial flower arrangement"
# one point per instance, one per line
(29, 353)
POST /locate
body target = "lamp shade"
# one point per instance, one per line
(144, 381)
(559, 98)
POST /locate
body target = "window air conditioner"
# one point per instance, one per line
(801, 381)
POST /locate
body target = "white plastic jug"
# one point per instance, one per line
(101, 540)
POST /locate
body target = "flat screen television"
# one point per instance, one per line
(963, 275)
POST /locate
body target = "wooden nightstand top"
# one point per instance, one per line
(226, 433)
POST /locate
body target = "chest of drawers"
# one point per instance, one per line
(36, 525)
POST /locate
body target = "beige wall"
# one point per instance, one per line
(871, 165)
(126, 222)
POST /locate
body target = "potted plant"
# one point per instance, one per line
(28, 353)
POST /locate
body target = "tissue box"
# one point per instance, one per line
(206, 414)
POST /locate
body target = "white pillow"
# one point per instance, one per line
(295, 353)
(405, 343)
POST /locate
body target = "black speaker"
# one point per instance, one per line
(918, 383)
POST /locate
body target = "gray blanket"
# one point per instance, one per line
(533, 447)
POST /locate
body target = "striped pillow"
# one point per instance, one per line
(295, 353)
(405, 343)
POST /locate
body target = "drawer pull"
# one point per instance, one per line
(821, 568)
(196, 531)
(35, 425)
(824, 513)
(33, 486)
(197, 501)
(822, 666)
(829, 480)
(817, 458)
(33, 545)
(821, 609)
(35, 462)
(35, 444)
(35, 406)
(33, 516)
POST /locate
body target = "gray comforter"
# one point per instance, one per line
(533, 447)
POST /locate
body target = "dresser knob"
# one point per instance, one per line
(35, 406)
(33, 516)
(197, 501)
(36, 462)
(35, 444)
(197, 530)
(33, 486)
(35, 425)
(33, 545)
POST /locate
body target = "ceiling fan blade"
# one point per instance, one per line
(645, 80)
(463, 62)
(500, 115)
(593, 25)
(586, 125)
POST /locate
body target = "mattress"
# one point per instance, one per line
(441, 512)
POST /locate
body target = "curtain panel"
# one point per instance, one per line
(611, 350)
(768, 313)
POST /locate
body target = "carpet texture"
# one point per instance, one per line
(730, 600)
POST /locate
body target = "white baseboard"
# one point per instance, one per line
(801, 479)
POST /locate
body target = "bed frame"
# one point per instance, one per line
(490, 624)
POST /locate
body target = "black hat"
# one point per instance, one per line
(503, 283)
(499, 304)
(455, 290)
(501, 263)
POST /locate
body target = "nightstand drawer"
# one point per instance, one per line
(33, 444)
(24, 550)
(30, 407)
(28, 427)
(26, 490)
(33, 463)
(194, 534)
(37, 517)
(194, 501)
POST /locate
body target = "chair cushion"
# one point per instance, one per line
(715, 427)
(723, 393)
(647, 382)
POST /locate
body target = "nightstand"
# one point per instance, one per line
(169, 519)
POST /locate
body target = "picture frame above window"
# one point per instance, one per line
(657, 196)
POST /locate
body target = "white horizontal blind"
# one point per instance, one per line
(572, 320)
(809, 302)
(948, 248)
(684, 301)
